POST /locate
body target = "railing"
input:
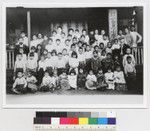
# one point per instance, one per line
(138, 55)
(137, 52)
(10, 59)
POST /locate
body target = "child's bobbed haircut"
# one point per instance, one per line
(74, 54)
(72, 71)
(33, 48)
(128, 57)
(31, 54)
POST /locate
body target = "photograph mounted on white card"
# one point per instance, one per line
(74, 55)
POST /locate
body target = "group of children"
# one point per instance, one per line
(76, 61)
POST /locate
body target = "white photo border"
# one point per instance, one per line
(72, 106)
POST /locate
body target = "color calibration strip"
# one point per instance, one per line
(49, 121)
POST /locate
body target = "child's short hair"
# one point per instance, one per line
(50, 39)
(19, 53)
(20, 71)
(72, 45)
(59, 53)
(67, 40)
(54, 51)
(80, 48)
(31, 54)
(72, 71)
(33, 48)
(77, 30)
(96, 46)
(118, 66)
(47, 72)
(101, 44)
(95, 52)
(69, 35)
(115, 39)
(109, 68)
(54, 31)
(109, 54)
(70, 30)
(59, 27)
(74, 53)
(64, 49)
(82, 36)
(57, 39)
(128, 57)
(63, 33)
(84, 44)
(83, 30)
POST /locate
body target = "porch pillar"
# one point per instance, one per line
(113, 23)
(29, 27)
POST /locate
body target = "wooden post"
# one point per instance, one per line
(113, 23)
(29, 27)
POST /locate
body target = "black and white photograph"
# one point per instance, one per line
(73, 51)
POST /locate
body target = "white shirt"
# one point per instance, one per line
(41, 64)
(49, 47)
(49, 62)
(108, 50)
(31, 64)
(88, 54)
(34, 43)
(72, 81)
(31, 79)
(20, 64)
(125, 59)
(25, 41)
(60, 63)
(47, 80)
(129, 68)
(81, 57)
(119, 77)
(20, 81)
(91, 77)
(109, 77)
(115, 46)
(73, 62)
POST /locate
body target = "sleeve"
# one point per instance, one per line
(140, 38)
(133, 60)
(24, 66)
(125, 69)
(15, 83)
(25, 82)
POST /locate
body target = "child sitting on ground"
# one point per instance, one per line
(31, 82)
(101, 83)
(20, 84)
(109, 77)
(91, 81)
(81, 78)
(47, 83)
(72, 78)
(63, 80)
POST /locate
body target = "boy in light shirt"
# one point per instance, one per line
(31, 63)
(50, 46)
(20, 65)
(60, 64)
(81, 58)
(58, 47)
